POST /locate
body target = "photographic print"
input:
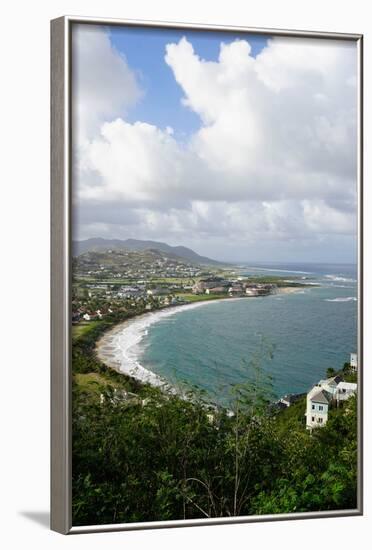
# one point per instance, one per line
(215, 362)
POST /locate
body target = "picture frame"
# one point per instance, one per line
(62, 192)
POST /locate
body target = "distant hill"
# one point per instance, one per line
(99, 244)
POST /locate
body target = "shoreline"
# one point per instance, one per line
(116, 347)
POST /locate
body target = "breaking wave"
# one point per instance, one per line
(339, 279)
(347, 299)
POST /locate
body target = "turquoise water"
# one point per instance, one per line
(211, 346)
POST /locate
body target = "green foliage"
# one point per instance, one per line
(292, 418)
(156, 456)
(321, 469)
(347, 373)
(331, 372)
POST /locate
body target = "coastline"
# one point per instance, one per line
(116, 347)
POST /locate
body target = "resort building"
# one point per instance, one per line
(216, 290)
(235, 289)
(251, 291)
(208, 284)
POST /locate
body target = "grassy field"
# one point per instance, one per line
(83, 328)
(92, 382)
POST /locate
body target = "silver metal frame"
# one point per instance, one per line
(61, 474)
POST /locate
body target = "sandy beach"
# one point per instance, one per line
(113, 350)
(118, 348)
(289, 290)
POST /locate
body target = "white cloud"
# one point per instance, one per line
(136, 162)
(262, 116)
(104, 87)
(275, 154)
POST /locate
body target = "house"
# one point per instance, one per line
(324, 394)
(353, 362)
(345, 390)
(91, 316)
(330, 384)
(317, 405)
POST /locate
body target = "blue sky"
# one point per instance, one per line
(144, 49)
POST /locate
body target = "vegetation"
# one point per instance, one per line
(347, 373)
(83, 328)
(140, 454)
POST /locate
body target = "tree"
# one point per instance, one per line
(158, 456)
(319, 471)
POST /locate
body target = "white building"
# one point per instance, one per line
(330, 384)
(251, 291)
(321, 396)
(317, 405)
(345, 390)
(353, 362)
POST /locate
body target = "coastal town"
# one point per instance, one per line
(110, 282)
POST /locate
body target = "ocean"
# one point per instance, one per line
(213, 346)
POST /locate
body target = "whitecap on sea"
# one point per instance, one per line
(347, 299)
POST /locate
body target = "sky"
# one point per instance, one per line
(242, 147)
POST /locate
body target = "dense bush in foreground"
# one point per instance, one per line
(154, 456)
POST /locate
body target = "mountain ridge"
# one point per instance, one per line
(99, 243)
